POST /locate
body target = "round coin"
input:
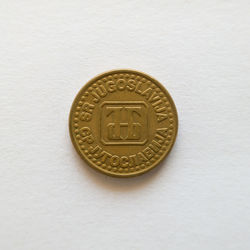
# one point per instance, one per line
(123, 123)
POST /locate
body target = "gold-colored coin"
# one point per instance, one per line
(123, 123)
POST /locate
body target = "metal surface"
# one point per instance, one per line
(123, 123)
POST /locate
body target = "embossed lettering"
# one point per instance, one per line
(121, 84)
(148, 152)
(115, 161)
(141, 157)
(154, 145)
(111, 87)
(124, 161)
(161, 117)
(147, 93)
(87, 111)
(86, 135)
(138, 88)
(131, 85)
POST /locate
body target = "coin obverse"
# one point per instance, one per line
(123, 123)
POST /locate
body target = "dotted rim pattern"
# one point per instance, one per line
(77, 138)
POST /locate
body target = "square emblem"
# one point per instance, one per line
(124, 123)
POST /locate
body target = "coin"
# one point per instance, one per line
(123, 123)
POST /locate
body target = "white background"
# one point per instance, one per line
(199, 198)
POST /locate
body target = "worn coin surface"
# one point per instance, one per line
(123, 123)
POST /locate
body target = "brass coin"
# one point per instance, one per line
(123, 123)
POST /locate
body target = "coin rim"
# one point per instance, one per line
(132, 174)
